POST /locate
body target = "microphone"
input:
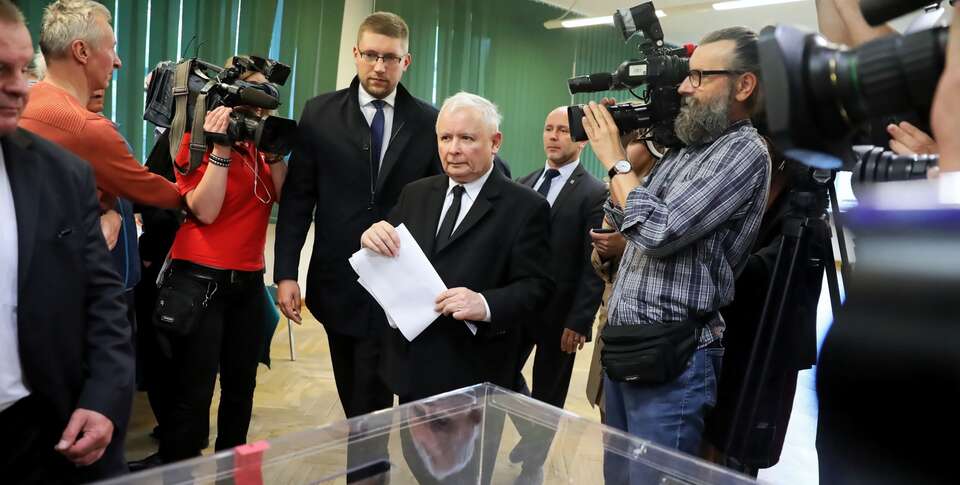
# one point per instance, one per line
(591, 83)
(254, 97)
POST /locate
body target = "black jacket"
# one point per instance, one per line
(578, 208)
(330, 182)
(500, 250)
(74, 338)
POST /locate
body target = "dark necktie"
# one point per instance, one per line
(450, 220)
(376, 138)
(548, 176)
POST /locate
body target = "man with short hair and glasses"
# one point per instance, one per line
(689, 231)
(358, 148)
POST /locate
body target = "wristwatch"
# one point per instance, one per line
(620, 167)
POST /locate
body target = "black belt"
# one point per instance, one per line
(230, 276)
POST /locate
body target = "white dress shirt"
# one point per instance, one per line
(369, 110)
(470, 192)
(12, 388)
(556, 185)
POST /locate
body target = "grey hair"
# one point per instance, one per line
(487, 110)
(38, 66)
(65, 21)
(9, 13)
(746, 56)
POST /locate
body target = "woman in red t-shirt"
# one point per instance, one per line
(218, 251)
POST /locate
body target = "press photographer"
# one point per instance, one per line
(211, 300)
(689, 230)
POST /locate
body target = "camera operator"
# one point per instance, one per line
(605, 257)
(689, 230)
(217, 260)
(78, 45)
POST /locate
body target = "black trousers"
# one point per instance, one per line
(552, 367)
(356, 364)
(151, 363)
(229, 337)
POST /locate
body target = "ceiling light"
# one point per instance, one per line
(748, 3)
(586, 22)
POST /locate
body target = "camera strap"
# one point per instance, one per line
(181, 94)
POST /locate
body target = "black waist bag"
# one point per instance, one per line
(648, 354)
(181, 302)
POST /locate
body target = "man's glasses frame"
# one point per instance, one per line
(696, 75)
(389, 60)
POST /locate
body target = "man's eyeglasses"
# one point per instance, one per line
(696, 75)
(389, 60)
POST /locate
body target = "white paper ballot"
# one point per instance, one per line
(405, 286)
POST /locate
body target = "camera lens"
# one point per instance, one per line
(878, 165)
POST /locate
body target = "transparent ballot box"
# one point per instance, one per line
(476, 435)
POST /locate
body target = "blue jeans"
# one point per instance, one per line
(670, 415)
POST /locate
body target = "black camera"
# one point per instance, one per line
(818, 93)
(874, 164)
(180, 94)
(660, 69)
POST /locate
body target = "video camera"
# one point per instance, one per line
(818, 93)
(179, 96)
(660, 68)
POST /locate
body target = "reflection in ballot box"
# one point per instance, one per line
(460, 437)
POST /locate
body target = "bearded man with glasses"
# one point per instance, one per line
(689, 230)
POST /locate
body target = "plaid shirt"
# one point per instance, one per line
(689, 232)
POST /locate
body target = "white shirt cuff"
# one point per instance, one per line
(487, 306)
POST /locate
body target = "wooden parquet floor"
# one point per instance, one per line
(296, 395)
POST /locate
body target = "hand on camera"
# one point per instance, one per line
(382, 239)
(217, 121)
(603, 133)
(906, 139)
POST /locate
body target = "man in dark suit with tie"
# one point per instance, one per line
(487, 237)
(576, 206)
(358, 148)
(66, 360)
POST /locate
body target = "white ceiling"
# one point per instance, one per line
(689, 20)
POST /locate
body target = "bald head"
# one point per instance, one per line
(557, 144)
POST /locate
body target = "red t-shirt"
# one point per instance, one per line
(235, 240)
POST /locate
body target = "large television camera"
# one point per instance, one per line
(818, 93)
(660, 68)
(180, 94)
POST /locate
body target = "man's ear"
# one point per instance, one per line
(497, 140)
(80, 51)
(746, 85)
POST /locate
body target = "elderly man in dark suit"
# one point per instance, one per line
(66, 361)
(487, 237)
(576, 206)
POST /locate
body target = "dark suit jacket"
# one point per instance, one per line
(578, 208)
(500, 250)
(75, 340)
(330, 181)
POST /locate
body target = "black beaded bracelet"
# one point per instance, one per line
(219, 161)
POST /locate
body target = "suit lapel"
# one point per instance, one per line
(480, 207)
(24, 183)
(424, 230)
(531, 180)
(356, 125)
(568, 188)
(400, 134)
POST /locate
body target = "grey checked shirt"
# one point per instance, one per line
(689, 231)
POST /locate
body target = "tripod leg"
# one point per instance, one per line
(841, 240)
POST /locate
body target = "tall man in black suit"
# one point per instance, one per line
(358, 148)
(576, 206)
(487, 237)
(66, 361)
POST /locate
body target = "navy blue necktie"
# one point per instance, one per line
(548, 176)
(376, 138)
